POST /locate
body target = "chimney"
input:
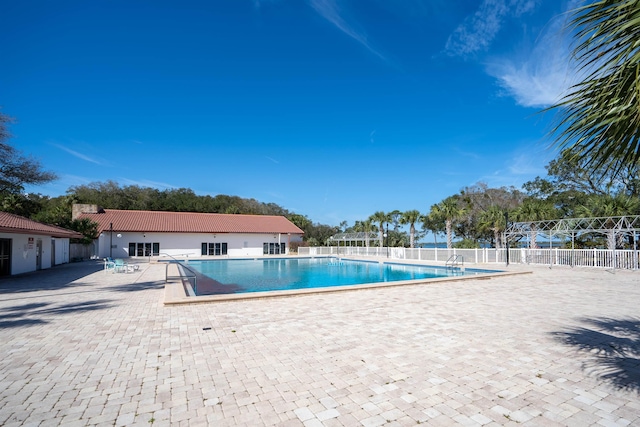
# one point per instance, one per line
(79, 208)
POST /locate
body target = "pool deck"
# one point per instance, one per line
(557, 347)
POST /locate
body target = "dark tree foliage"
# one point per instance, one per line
(110, 195)
(476, 215)
(318, 234)
(301, 221)
(568, 172)
(87, 227)
(56, 211)
(570, 182)
(478, 200)
(24, 205)
(16, 170)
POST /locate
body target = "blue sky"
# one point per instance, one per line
(330, 108)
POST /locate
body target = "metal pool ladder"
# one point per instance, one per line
(455, 261)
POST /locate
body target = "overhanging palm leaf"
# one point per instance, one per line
(600, 117)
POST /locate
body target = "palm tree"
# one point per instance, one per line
(381, 218)
(411, 217)
(394, 217)
(367, 227)
(448, 211)
(429, 223)
(493, 220)
(599, 116)
(364, 227)
(532, 210)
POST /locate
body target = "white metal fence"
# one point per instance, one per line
(598, 258)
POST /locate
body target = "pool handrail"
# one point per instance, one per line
(181, 276)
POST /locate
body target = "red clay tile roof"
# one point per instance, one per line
(189, 222)
(10, 223)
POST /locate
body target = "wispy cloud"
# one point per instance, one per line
(148, 183)
(275, 195)
(272, 159)
(68, 180)
(258, 3)
(59, 186)
(75, 179)
(77, 154)
(541, 76)
(521, 166)
(329, 10)
(469, 154)
(534, 84)
(373, 132)
(477, 32)
(528, 164)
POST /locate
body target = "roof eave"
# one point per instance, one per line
(71, 235)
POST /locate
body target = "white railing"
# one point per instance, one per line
(597, 258)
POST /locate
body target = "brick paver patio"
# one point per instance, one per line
(79, 346)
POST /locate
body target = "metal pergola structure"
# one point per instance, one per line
(342, 239)
(614, 228)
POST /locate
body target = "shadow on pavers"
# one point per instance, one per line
(50, 279)
(135, 287)
(36, 313)
(612, 348)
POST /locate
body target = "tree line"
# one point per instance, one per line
(475, 217)
(478, 215)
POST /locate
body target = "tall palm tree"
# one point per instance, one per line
(411, 217)
(367, 227)
(532, 210)
(394, 217)
(493, 220)
(431, 224)
(599, 116)
(448, 211)
(381, 218)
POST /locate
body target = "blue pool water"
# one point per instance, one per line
(259, 275)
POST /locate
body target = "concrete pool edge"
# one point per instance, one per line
(175, 294)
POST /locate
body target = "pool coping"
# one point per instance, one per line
(175, 293)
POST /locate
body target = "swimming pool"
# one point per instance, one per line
(218, 277)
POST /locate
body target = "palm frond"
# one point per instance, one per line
(600, 116)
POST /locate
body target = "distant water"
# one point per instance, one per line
(442, 245)
(432, 245)
(513, 245)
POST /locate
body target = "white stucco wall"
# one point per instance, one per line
(62, 250)
(189, 244)
(23, 251)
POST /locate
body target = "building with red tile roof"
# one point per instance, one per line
(125, 233)
(27, 245)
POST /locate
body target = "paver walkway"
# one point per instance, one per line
(557, 347)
